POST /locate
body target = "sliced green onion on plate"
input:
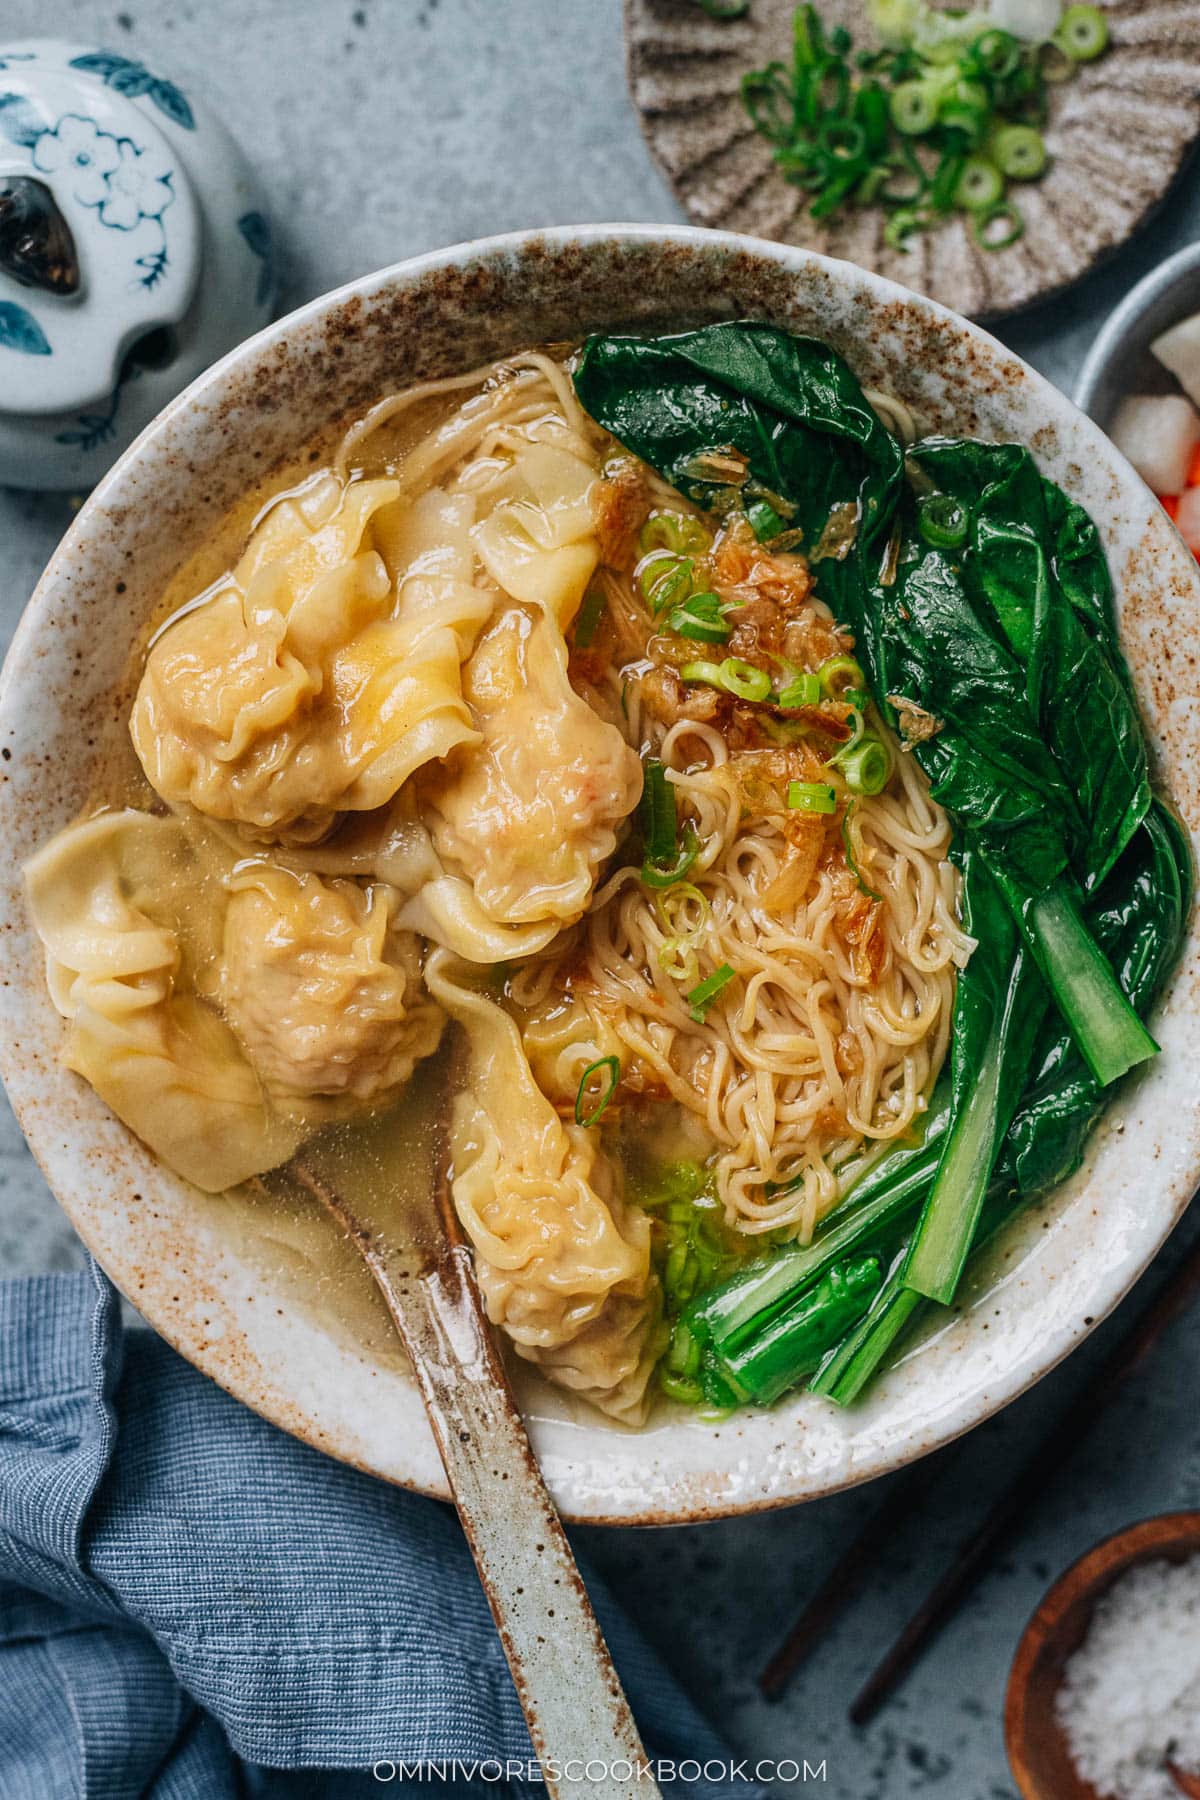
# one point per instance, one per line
(1082, 33)
(980, 185)
(1018, 151)
(999, 227)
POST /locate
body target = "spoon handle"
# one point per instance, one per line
(574, 1704)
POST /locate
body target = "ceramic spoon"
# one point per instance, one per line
(573, 1701)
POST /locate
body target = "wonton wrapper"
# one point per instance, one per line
(119, 904)
(324, 994)
(522, 821)
(539, 541)
(563, 1265)
(324, 670)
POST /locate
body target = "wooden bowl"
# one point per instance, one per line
(1037, 1748)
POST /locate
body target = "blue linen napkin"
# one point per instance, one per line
(193, 1603)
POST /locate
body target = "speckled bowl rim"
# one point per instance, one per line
(1056, 1273)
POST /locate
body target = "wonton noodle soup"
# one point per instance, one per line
(487, 723)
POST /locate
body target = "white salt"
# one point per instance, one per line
(1130, 1697)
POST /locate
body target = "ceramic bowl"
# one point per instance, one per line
(1120, 362)
(269, 1304)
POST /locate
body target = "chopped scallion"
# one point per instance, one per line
(1018, 151)
(743, 680)
(705, 992)
(996, 54)
(900, 227)
(708, 673)
(657, 812)
(680, 1387)
(659, 873)
(764, 520)
(702, 617)
(587, 619)
(839, 677)
(665, 579)
(943, 521)
(811, 797)
(1082, 33)
(999, 227)
(851, 859)
(913, 108)
(672, 910)
(801, 690)
(910, 127)
(611, 1067)
(867, 766)
(677, 960)
(732, 676)
(980, 185)
(858, 731)
(681, 533)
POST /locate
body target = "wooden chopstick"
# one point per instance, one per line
(1177, 1293)
(844, 1579)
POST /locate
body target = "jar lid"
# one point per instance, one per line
(100, 232)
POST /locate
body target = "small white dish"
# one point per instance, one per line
(272, 1306)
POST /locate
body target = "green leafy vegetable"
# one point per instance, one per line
(1138, 918)
(1035, 567)
(931, 638)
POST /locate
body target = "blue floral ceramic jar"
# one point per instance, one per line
(134, 250)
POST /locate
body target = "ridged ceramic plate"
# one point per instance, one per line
(1118, 133)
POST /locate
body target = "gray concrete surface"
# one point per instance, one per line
(389, 127)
